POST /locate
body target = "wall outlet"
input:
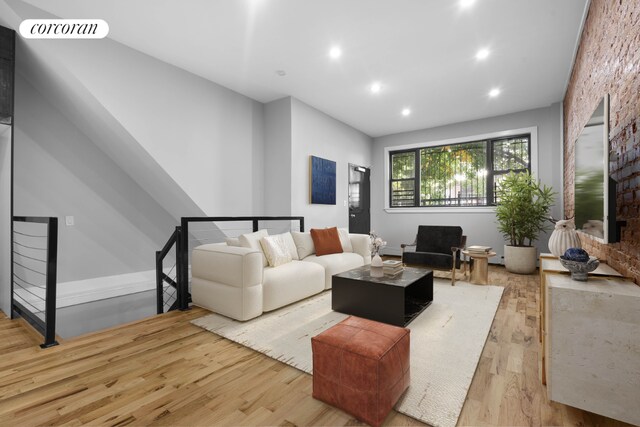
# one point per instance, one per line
(344, 203)
(69, 220)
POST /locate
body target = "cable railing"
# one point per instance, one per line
(166, 283)
(34, 271)
(172, 283)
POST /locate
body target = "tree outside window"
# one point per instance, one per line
(464, 174)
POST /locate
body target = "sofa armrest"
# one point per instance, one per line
(229, 265)
(361, 244)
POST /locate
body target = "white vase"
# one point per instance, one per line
(376, 261)
(564, 236)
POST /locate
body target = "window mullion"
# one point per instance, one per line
(416, 177)
(490, 178)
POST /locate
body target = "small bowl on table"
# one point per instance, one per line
(580, 269)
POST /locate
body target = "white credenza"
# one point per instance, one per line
(550, 265)
(592, 351)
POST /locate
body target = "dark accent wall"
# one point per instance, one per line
(7, 67)
(608, 61)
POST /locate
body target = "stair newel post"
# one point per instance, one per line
(182, 248)
(52, 272)
(159, 284)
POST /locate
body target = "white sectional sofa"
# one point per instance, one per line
(235, 279)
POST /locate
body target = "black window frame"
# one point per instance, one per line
(490, 178)
(416, 174)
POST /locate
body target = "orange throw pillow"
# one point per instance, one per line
(326, 241)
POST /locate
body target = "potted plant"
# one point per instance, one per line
(522, 213)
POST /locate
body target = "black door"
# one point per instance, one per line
(359, 200)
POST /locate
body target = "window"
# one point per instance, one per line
(462, 174)
(403, 181)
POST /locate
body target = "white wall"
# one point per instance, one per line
(200, 133)
(59, 171)
(480, 227)
(315, 133)
(5, 219)
(277, 158)
(133, 106)
(127, 144)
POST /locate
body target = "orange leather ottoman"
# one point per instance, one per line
(361, 367)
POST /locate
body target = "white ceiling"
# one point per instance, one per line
(421, 51)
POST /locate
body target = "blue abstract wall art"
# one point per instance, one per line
(323, 181)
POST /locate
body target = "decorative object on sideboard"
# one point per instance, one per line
(579, 263)
(564, 236)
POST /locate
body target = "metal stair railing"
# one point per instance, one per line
(34, 274)
(167, 288)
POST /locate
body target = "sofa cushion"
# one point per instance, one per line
(232, 266)
(240, 303)
(304, 244)
(345, 241)
(276, 250)
(291, 282)
(252, 240)
(430, 259)
(326, 241)
(335, 264)
(233, 241)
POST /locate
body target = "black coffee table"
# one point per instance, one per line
(395, 300)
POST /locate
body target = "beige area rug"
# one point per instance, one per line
(446, 343)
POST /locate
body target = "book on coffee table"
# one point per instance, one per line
(392, 271)
(479, 249)
(392, 267)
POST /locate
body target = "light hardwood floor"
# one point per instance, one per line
(165, 371)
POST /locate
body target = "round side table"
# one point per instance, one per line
(480, 268)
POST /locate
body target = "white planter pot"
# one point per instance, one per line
(520, 259)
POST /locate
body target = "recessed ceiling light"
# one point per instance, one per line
(465, 4)
(406, 111)
(335, 52)
(494, 92)
(375, 87)
(482, 54)
(281, 73)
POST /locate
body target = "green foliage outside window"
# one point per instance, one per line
(463, 174)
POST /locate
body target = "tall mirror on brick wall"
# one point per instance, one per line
(595, 191)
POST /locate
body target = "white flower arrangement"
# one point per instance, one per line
(376, 243)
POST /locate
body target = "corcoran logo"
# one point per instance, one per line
(64, 29)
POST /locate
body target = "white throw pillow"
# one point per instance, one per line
(252, 241)
(343, 233)
(304, 244)
(290, 245)
(276, 250)
(233, 241)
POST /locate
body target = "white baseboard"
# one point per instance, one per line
(99, 288)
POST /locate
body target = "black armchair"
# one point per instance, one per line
(438, 247)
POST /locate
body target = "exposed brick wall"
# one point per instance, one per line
(608, 61)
